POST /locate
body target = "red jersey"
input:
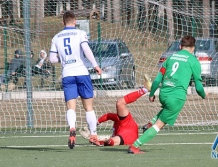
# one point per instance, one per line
(126, 128)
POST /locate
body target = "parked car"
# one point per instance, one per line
(116, 62)
(206, 50)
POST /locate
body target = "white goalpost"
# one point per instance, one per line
(35, 103)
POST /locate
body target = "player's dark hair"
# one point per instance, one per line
(68, 16)
(187, 41)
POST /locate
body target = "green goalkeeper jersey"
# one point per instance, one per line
(180, 67)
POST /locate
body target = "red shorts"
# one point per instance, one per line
(128, 130)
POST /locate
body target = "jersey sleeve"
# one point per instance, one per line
(108, 116)
(53, 46)
(200, 89)
(196, 71)
(84, 37)
(164, 65)
(53, 52)
(89, 55)
(158, 79)
(156, 83)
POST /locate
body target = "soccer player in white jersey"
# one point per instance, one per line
(68, 47)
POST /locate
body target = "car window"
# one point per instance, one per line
(202, 45)
(122, 48)
(103, 49)
(174, 47)
(216, 45)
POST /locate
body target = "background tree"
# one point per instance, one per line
(206, 18)
(116, 11)
(170, 22)
(16, 9)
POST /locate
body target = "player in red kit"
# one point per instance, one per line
(125, 129)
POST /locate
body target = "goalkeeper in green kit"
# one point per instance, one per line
(174, 76)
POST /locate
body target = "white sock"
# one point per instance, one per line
(156, 128)
(71, 118)
(92, 121)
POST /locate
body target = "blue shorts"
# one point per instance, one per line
(75, 86)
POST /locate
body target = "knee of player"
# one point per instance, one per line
(120, 102)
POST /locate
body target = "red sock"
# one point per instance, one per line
(133, 96)
(110, 142)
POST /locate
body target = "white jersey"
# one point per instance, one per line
(67, 44)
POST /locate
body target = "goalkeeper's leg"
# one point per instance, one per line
(122, 110)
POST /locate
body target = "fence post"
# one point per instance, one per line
(26, 16)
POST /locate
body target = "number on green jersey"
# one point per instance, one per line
(174, 68)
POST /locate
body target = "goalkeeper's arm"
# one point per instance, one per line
(108, 116)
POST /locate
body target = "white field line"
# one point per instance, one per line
(51, 136)
(82, 145)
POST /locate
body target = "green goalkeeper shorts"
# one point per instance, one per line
(170, 109)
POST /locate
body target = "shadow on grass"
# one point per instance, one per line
(41, 149)
(115, 149)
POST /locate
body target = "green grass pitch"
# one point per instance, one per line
(50, 150)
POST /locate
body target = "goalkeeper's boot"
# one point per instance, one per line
(72, 138)
(94, 140)
(147, 82)
(146, 127)
(134, 150)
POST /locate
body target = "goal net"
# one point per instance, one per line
(139, 30)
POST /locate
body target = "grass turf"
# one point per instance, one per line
(50, 150)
